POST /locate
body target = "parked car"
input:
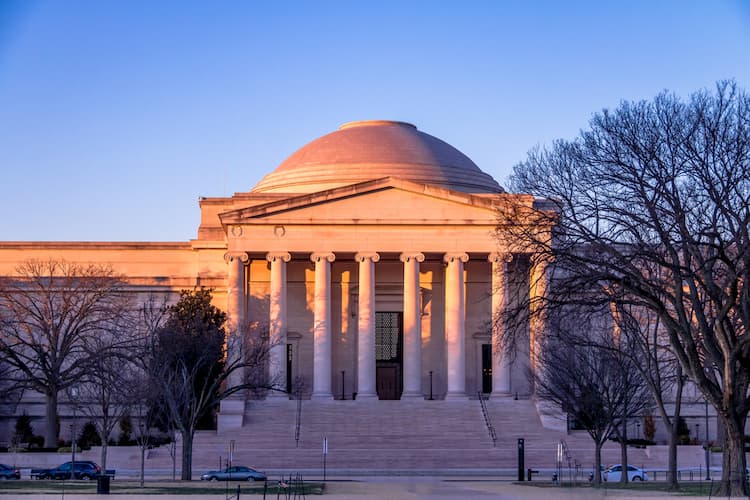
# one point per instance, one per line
(8, 472)
(234, 473)
(614, 473)
(591, 474)
(84, 469)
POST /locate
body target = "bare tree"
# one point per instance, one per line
(193, 361)
(141, 393)
(10, 396)
(657, 194)
(143, 400)
(10, 393)
(636, 396)
(582, 370)
(104, 395)
(50, 313)
(651, 354)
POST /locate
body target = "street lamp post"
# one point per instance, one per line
(142, 443)
(73, 398)
(705, 446)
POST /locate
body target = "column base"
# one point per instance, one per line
(456, 396)
(412, 395)
(501, 394)
(322, 395)
(277, 395)
(367, 397)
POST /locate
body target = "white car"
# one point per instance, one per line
(614, 473)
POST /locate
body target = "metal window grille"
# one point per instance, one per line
(387, 329)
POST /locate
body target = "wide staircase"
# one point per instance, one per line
(406, 436)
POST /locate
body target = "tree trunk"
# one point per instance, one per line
(173, 454)
(672, 483)
(187, 456)
(672, 426)
(597, 481)
(103, 456)
(624, 453)
(105, 428)
(51, 432)
(143, 462)
(733, 481)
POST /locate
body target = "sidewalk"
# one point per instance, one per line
(410, 488)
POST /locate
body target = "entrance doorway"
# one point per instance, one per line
(486, 368)
(388, 354)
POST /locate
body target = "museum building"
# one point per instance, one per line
(370, 259)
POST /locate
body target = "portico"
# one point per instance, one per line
(355, 317)
(374, 245)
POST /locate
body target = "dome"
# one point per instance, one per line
(366, 150)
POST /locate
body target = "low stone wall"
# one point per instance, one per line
(115, 455)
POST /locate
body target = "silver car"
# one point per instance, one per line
(234, 473)
(614, 473)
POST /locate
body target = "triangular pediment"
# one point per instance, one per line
(387, 200)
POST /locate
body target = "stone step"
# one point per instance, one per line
(409, 435)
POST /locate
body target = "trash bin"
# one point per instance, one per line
(102, 484)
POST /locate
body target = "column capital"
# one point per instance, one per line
(240, 256)
(321, 256)
(500, 257)
(280, 256)
(363, 256)
(455, 256)
(407, 256)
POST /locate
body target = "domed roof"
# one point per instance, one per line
(366, 150)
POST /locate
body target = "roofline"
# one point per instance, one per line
(295, 200)
(90, 245)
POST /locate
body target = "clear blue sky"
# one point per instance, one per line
(115, 116)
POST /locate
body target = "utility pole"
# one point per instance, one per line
(705, 446)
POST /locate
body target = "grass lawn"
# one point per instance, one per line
(687, 488)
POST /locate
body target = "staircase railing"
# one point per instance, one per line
(487, 419)
(563, 455)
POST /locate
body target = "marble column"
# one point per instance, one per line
(500, 361)
(232, 409)
(235, 306)
(455, 334)
(322, 341)
(412, 325)
(366, 326)
(277, 324)
(236, 288)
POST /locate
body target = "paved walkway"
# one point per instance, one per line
(410, 488)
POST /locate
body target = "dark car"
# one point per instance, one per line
(235, 473)
(8, 472)
(84, 469)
